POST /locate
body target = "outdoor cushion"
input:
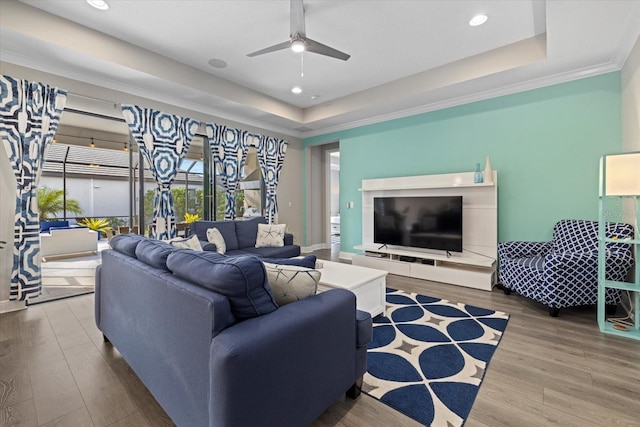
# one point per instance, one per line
(126, 243)
(242, 279)
(46, 225)
(154, 252)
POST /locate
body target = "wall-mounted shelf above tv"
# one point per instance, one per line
(449, 180)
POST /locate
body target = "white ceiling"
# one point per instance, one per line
(406, 56)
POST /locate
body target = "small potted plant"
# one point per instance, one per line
(95, 224)
(189, 218)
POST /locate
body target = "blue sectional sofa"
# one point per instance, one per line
(240, 238)
(204, 334)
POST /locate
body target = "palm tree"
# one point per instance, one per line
(51, 201)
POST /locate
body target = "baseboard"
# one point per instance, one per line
(9, 306)
(316, 247)
(346, 255)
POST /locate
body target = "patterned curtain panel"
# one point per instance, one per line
(163, 140)
(229, 149)
(271, 152)
(29, 116)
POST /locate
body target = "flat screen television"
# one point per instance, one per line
(433, 222)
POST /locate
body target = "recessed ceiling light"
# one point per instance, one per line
(99, 4)
(217, 63)
(296, 90)
(478, 20)
(314, 97)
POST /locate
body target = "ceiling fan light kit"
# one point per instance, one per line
(299, 42)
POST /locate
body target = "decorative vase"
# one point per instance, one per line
(488, 173)
(477, 177)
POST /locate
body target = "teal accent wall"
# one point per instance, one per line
(545, 144)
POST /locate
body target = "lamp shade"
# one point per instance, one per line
(622, 174)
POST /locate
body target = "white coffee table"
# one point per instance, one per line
(368, 284)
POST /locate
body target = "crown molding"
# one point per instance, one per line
(477, 96)
(68, 73)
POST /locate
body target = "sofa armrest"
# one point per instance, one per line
(511, 250)
(288, 239)
(303, 355)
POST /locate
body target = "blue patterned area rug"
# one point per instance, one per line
(429, 356)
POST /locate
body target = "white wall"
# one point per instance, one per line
(97, 197)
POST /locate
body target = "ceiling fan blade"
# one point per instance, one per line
(297, 18)
(274, 48)
(315, 47)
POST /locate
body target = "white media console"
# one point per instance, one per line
(475, 267)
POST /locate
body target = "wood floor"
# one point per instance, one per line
(55, 370)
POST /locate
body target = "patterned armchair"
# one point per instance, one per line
(564, 272)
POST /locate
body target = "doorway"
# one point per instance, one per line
(333, 198)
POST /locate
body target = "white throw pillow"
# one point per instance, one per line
(214, 236)
(291, 283)
(270, 235)
(188, 243)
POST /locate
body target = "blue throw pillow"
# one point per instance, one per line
(242, 279)
(126, 243)
(247, 231)
(309, 261)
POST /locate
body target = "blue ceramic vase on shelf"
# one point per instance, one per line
(477, 177)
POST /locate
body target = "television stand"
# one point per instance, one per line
(467, 269)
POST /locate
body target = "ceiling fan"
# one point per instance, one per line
(299, 41)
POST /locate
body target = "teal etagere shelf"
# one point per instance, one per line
(619, 202)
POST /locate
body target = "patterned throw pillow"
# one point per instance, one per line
(214, 236)
(270, 235)
(291, 283)
(188, 243)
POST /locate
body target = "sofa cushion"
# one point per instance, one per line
(46, 225)
(226, 228)
(278, 252)
(247, 231)
(126, 243)
(308, 261)
(215, 237)
(186, 243)
(242, 279)
(291, 283)
(154, 252)
(270, 235)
